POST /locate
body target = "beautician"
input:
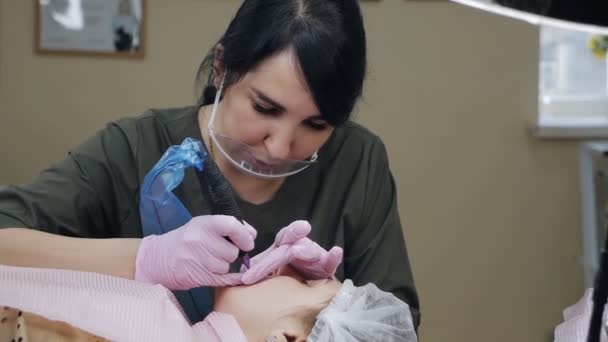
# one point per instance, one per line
(278, 90)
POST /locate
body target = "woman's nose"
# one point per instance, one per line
(277, 150)
(278, 144)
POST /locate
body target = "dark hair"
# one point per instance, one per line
(327, 37)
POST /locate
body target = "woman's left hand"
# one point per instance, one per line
(293, 247)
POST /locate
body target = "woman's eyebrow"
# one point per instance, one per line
(267, 99)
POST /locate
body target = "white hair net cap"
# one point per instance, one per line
(364, 313)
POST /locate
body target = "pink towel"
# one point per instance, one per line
(114, 308)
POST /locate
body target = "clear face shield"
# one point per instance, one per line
(249, 159)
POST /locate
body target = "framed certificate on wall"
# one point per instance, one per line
(107, 28)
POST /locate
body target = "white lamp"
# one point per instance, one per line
(581, 15)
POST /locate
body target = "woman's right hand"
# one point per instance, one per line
(195, 254)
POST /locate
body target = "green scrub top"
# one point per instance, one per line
(348, 196)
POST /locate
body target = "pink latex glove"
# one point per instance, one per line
(291, 246)
(195, 254)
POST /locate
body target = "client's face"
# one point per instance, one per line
(282, 305)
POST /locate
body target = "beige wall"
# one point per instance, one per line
(491, 213)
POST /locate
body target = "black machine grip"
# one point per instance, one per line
(218, 191)
(220, 197)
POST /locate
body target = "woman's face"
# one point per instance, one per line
(271, 109)
(273, 306)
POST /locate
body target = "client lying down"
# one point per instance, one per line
(59, 305)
